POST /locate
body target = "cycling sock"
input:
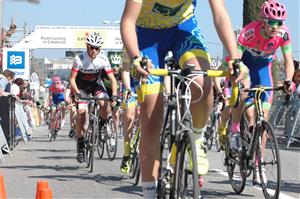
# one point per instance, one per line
(126, 148)
(199, 131)
(235, 128)
(149, 189)
(223, 125)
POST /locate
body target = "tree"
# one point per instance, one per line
(251, 10)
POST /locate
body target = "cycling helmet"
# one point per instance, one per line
(94, 39)
(56, 79)
(272, 9)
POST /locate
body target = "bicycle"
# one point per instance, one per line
(55, 125)
(174, 184)
(250, 155)
(92, 129)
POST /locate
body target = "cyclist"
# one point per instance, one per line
(129, 106)
(56, 97)
(151, 29)
(115, 65)
(258, 42)
(83, 79)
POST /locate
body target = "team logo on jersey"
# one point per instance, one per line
(270, 46)
(166, 11)
(249, 34)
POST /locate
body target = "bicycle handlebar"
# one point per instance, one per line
(234, 99)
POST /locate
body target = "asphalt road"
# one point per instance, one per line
(56, 163)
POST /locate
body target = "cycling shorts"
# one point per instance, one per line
(185, 41)
(57, 98)
(260, 75)
(55, 103)
(94, 89)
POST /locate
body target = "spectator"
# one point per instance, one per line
(10, 77)
(3, 82)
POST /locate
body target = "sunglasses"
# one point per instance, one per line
(273, 22)
(94, 48)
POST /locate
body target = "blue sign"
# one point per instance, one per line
(15, 60)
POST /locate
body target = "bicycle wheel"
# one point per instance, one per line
(163, 188)
(217, 142)
(246, 137)
(186, 179)
(236, 173)
(269, 162)
(100, 142)
(111, 140)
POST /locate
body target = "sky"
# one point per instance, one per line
(93, 12)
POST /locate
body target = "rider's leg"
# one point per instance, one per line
(129, 116)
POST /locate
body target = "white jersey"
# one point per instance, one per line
(89, 69)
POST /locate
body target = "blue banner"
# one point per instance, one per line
(15, 60)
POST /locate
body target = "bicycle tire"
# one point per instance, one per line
(211, 131)
(186, 148)
(217, 142)
(92, 141)
(87, 148)
(111, 140)
(137, 173)
(269, 162)
(134, 153)
(100, 142)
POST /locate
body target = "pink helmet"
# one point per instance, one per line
(56, 79)
(272, 9)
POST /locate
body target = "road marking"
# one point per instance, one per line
(224, 173)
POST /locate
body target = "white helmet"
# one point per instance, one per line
(94, 39)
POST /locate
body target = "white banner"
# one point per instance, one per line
(70, 37)
(17, 60)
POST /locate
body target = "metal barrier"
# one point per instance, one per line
(292, 123)
(286, 117)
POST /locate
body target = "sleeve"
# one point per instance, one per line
(286, 44)
(76, 64)
(106, 65)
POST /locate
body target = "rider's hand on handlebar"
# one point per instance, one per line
(287, 84)
(114, 100)
(77, 96)
(238, 70)
(126, 94)
(137, 67)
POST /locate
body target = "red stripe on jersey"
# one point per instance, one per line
(75, 69)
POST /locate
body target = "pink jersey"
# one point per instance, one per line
(252, 40)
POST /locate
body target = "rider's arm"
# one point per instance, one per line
(113, 81)
(224, 28)
(128, 31)
(289, 65)
(72, 79)
(217, 84)
(126, 71)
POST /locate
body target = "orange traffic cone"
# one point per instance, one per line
(2, 188)
(45, 194)
(41, 185)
